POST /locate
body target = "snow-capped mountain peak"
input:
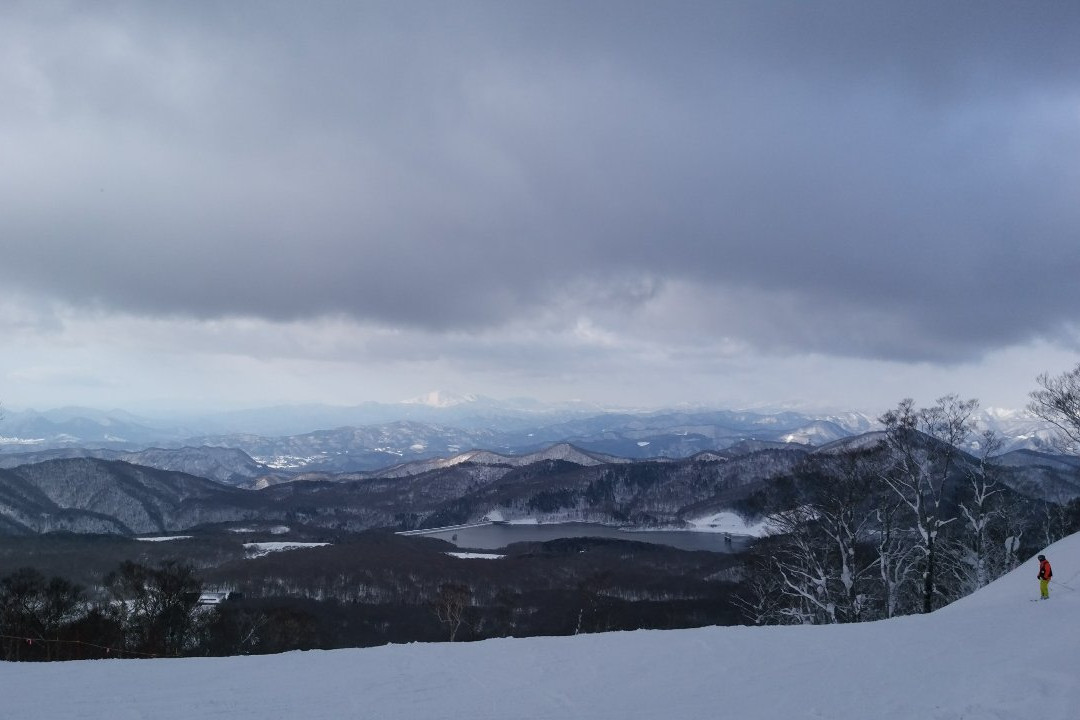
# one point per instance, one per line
(441, 399)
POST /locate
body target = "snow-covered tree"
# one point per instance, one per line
(822, 562)
(925, 448)
(802, 565)
(978, 560)
(897, 554)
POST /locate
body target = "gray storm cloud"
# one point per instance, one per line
(870, 179)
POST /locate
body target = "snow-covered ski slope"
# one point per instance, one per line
(991, 656)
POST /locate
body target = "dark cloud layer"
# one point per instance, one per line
(868, 179)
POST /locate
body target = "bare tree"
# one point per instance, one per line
(760, 599)
(821, 562)
(21, 600)
(1058, 402)
(975, 551)
(156, 606)
(802, 565)
(844, 511)
(33, 609)
(925, 446)
(1056, 518)
(897, 554)
(590, 593)
(450, 604)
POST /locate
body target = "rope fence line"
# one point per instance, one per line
(109, 650)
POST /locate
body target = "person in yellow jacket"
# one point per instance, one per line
(1045, 573)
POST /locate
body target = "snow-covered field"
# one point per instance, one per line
(993, 656)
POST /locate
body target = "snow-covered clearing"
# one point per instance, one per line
(475, 556)
(164, 538)
(275, 530)
(259, 549)
(992, 656)
(729, 522)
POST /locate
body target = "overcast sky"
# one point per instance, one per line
(739, 204)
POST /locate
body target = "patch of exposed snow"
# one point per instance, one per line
(164, 538)
(286, 462)
(475, 556)
(275, 530)
(729, 522)
(21, 441)
(259, 549)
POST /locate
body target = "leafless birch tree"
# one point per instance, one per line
(925, 447)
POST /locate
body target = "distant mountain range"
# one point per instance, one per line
(558, 483)
(439, 461)
(374, 436)
(224, 465)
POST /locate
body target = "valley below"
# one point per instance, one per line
(524, 539)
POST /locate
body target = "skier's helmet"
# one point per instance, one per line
(1042, 557)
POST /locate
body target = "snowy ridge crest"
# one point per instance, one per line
(559, 451)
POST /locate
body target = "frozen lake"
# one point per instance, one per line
(494, 536)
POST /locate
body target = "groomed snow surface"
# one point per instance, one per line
(995, 655)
